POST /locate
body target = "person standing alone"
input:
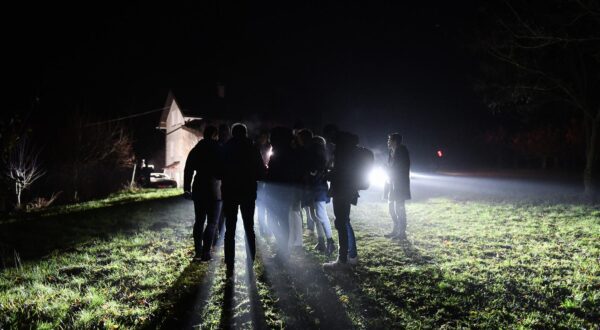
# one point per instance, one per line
(398, 188)
(203, 166)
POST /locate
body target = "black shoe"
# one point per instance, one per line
(400, 236)
(206, 257)
(197, 257)
(320, 246)
(330, 247)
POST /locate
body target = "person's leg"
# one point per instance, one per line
(352, 252)
(394, 216)
(341, 210)
(281, 215)
(213, 213)
(261, 211)
(230, 209)
(310, 223)
(320, 246)
(401, 214)
(318, 225)
(322, 221)
(247, 210)
(295, 224)
(220, 227)
(200, 213)
(323, 218)
(261, 214)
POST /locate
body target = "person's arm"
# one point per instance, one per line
(188, 171)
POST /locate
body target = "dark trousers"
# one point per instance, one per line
(206, 211)
(341, 210)
(230, 208)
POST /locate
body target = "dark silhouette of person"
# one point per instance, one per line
(242, 168)
(344, 193)
(282, 176)
(224, 136)
(398, 188)
(203, 167)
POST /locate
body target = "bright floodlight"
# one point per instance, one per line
(378, 177)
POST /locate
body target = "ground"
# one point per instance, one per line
(472, 262)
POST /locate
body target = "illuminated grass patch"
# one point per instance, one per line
(465, 264)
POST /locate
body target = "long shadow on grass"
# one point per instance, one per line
(227, 311)
(36, 238)
(181, 305)
(204, 297)
(371, 299)
(304, 293)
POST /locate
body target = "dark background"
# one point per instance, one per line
(372, 68)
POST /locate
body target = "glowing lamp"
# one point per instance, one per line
(378, 177)
(440, 154)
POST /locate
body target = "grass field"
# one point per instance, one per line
(465, 264)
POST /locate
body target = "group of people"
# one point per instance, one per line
(284, 175)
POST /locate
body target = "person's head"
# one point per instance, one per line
(394, 140)
(345, 139)
(224, 132)
(281, 137)
(210, 132)
(239, 130)
(318, 140)
(298, 126)
(318, 144)
(263, 137)
(304, 137)
(329, 132)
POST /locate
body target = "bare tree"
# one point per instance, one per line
(93, 157)
(548, 52)
(23, 168)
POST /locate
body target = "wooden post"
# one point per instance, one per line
(133, 176)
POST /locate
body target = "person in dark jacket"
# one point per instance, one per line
(344, 193)
(398, 188)
(203, 167)
(242, 168)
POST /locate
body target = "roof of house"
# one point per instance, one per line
(195, 103)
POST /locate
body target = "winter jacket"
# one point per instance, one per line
(242, 167)
(204, 166)
(399, 173)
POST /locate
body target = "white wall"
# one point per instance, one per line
(179, 142)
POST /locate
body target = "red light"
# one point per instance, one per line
(440, 154)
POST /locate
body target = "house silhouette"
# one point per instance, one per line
(183, 118)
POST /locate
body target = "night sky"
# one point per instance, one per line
(371, 68)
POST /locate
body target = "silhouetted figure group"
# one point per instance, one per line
(284, 174)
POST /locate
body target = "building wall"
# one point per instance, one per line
(179, 141)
